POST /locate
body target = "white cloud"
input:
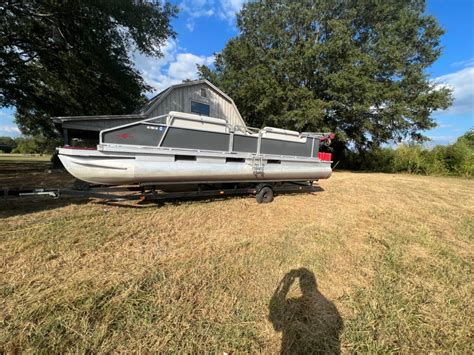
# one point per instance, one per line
(185, 65)
(10, 129)
(464, 63)
(229, 8)
(152, 68)
(222, 9)
(174, 67)
(440, 140)
(195, 9)
(462, 84)
(7, 123)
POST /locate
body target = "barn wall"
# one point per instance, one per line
(179, 99)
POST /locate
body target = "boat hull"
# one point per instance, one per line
(119, 168)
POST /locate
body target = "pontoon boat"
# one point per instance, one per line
(188, 148)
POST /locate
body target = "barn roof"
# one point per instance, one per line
(146, 109)
(155, 101)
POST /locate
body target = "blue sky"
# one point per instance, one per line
(204, 26)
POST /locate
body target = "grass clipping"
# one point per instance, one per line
(375, 262)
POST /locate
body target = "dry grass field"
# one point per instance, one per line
(374, 263)
(29, 171)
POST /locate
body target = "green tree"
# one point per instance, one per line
(27, 145)
(460, 155)
(468, 138)
(356, 68)
(7, 144)
(72, 57)
(35, 145)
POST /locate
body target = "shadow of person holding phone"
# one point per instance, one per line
(310, 323)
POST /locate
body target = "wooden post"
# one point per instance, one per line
(66, 136)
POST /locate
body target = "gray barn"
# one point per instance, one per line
(198, 97)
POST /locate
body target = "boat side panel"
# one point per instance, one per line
(279, 147)
(245, 144)
(194, 139)
(140, 134)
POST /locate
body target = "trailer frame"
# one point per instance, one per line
(151, 191)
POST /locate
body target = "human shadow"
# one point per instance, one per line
(310, 323)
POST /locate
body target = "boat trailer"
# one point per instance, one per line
(264, 191)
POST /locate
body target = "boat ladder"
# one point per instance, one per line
(258, 166)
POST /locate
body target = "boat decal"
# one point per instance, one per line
(102, 157)
(155, 128)
(98, 166)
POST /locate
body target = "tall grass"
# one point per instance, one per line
(456, 159)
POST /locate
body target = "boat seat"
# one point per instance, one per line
(283, 134)
(190, 121)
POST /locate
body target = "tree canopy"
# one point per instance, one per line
(60, 58)
(357, 68)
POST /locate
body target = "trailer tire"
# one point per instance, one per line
(80, 185)
(264, 195)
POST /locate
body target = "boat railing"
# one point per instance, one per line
(231, 129)
(147, 121)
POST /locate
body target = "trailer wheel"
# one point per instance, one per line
(80, 185)
(264, 195)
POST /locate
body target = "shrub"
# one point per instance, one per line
(409, 158)
(460, 158)
(381, 160)
(434, 161)
(34, 145)
(26, 145)
(454, 159)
